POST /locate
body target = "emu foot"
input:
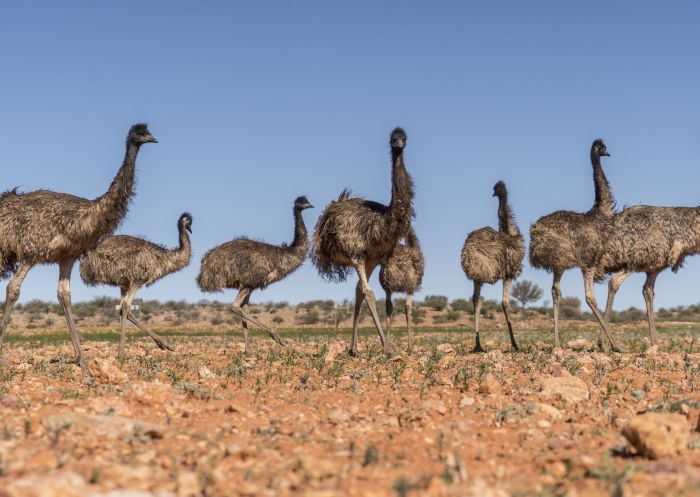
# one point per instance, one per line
(514, 347)
(80, 361)
(352, 352)
(616, 348)
(277, 339)
(477, 349)
(163, 345)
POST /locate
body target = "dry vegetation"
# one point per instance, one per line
(309, 420)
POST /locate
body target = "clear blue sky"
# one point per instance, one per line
(255, 103)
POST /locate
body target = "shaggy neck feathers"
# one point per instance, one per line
(400, 210)
(604, 202)
(505, 216)
(111, 207)
(301, 239)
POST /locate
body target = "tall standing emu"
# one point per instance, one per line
(357, 233)
(489, 255)
(565, 239)
(45, 227)
(649, 239)
(402, 272)
(129, 262)
(247, 265)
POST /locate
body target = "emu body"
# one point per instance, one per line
(489, 256)
(130, 263)
(45, 227)
(247, 265)
(564, 240)
(353, 233)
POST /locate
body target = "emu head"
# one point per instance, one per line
(139, 134)
(499, 189)
(301, 203)
(599, 149)
(185, 222)
(398, 139)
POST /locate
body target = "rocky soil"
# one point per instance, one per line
(309, 420)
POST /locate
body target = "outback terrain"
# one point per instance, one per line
(307, 419)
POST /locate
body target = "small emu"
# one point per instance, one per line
(489, 255)
(360, 234)
(248, 265)
(402, 272)
(45, 227)
(565, 240)
(130, 263)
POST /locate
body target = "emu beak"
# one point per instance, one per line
(309, 206)
(151, 139)
(189, 228)
(606, 154)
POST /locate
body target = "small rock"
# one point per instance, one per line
(580, 344)
(205, 373)
(317, 468)
(188, 485)
(150, 392)
(466, 402)
(111, 426)
(334, 350)
(445, 348)
(490, 385)
(107, 371)
(657, 434)
(559, 371)
(54, 485)
(338, 416)
(567, 388)
(651, 351)
(547, 411)
(543, 423)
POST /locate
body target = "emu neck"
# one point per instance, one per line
(300, 238)
(110, 208)
(185, 245)
(401, 206)
(505, 217)
(604, 202)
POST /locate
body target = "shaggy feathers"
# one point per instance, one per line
(127, 261)
(403, 271)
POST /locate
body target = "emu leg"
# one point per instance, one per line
(476, 301)
(591, 301)
(648, 292)
(389, 312)
(355, 320)
(13, 288)
(363, 271)
(237, 309)
(244, 325)
(65, 269)
(506, 310)
(409, 310)
(556, 299)
(614, 285)
(123, 317)
(162, 344)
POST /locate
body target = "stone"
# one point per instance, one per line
(55, 485)
(334, 350)
(490, 385)
(466, 402)
(570, 389)
(580, 344)
(658, 434)
(150, 392)
(445, 348)
(188, 485)
(132, 493)
(110, 426)
(107, 371)
(205, 373)
(546, 411)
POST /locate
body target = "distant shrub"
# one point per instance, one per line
(436, 302)
(278, 319)
(463, 305)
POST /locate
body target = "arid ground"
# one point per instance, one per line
(307, 419)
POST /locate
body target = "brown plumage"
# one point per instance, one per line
(564, 240)
(45, 227)
(360, 234)
(489, 256)
(402, 272)
(648, 239)
(247, 265)
(130, 263)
